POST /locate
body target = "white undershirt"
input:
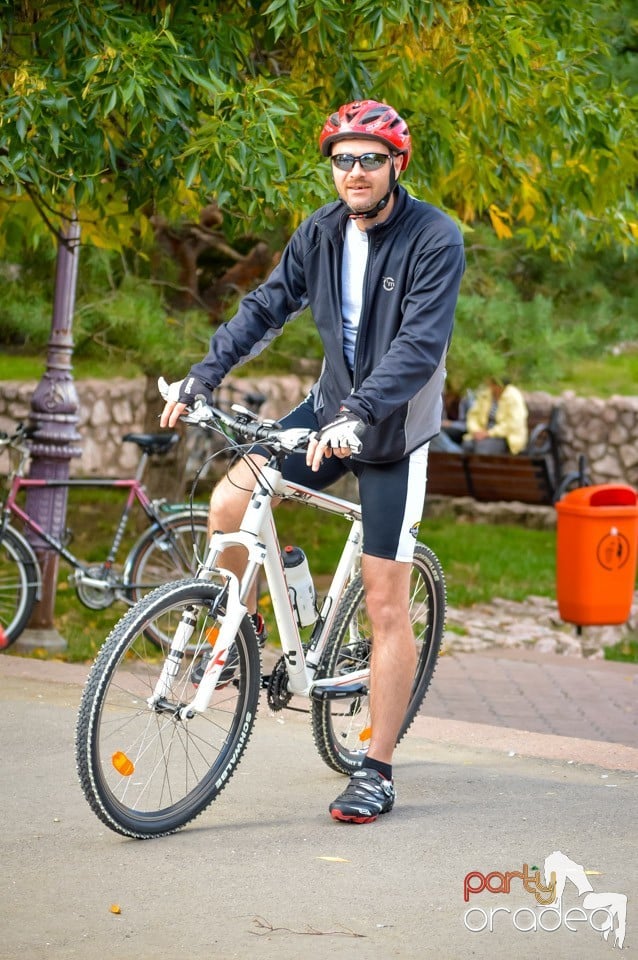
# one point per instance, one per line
(353, 268)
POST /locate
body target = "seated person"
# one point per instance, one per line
(452, 430)
(497, 421)
(455, 429)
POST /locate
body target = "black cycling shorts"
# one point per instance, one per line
(391, 494)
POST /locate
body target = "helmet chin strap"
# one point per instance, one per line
(381, 204)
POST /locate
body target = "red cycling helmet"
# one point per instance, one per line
(369, 119)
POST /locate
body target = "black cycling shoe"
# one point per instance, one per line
(228, 673)
(367, 795)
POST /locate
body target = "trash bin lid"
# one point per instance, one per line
(615, 495)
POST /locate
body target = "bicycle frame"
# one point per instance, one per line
(258, 535)
(136, 493)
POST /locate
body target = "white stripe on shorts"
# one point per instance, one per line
(414, 500)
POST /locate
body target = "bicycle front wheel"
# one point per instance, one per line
(342, 728)
(164, 556)
(18, 586)
(144, 771)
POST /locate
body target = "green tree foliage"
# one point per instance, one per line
(522, 315)
(124, 109)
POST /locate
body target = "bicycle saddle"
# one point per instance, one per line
(159, 443)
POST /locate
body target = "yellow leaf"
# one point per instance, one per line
(498, 218)
(526, 213)
(115, 908)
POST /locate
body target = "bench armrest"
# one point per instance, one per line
(540, 440)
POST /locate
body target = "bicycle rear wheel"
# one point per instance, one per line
(342, 728)
(144, 771)
(18, 586)
(164, 556)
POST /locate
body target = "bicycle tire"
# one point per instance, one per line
(18, 586)
(341, 728)
(180, 766)
(165, 556)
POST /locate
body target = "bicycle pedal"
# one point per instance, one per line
(339, 692)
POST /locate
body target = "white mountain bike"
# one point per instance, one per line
(153, 748)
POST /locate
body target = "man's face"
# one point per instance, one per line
(362, 189)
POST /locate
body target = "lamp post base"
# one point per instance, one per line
(48, 640)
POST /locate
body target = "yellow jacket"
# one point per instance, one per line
(511, 417)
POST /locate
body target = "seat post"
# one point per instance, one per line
(141, 467)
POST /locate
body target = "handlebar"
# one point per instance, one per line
(245, 424)
(18, 439)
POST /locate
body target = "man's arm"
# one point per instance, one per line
(259, 318)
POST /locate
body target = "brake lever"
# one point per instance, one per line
(200, 412)
(295, 440)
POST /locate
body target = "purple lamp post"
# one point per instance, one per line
(54, 414)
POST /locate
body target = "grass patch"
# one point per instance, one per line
(602, 377)
(481, 561)
(17, 367)
(626, 651)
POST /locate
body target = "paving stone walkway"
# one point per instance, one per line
(542, 693)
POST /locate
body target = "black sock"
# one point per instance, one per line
(385, 769)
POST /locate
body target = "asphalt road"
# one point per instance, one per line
(266, 873)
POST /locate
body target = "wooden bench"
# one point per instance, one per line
(532, 477)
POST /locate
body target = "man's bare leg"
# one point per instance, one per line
(386, 584)
(371, 791)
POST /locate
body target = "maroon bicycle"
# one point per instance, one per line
(167, 550)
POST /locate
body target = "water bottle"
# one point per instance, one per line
(300, 585)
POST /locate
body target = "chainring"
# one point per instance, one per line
(278, 694)
(92, 597)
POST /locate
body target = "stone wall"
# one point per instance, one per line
(606, 432)
(108, 409)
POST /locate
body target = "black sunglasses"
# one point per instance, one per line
(368, 161)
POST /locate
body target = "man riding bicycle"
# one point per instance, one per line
(380, 271)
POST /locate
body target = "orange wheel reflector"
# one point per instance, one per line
(122, 763)
(211, 635)
(365, 734)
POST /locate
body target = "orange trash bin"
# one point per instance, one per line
(596, 546)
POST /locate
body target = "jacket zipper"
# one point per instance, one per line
(363, 319)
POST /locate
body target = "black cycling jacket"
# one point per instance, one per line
(414, 269)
